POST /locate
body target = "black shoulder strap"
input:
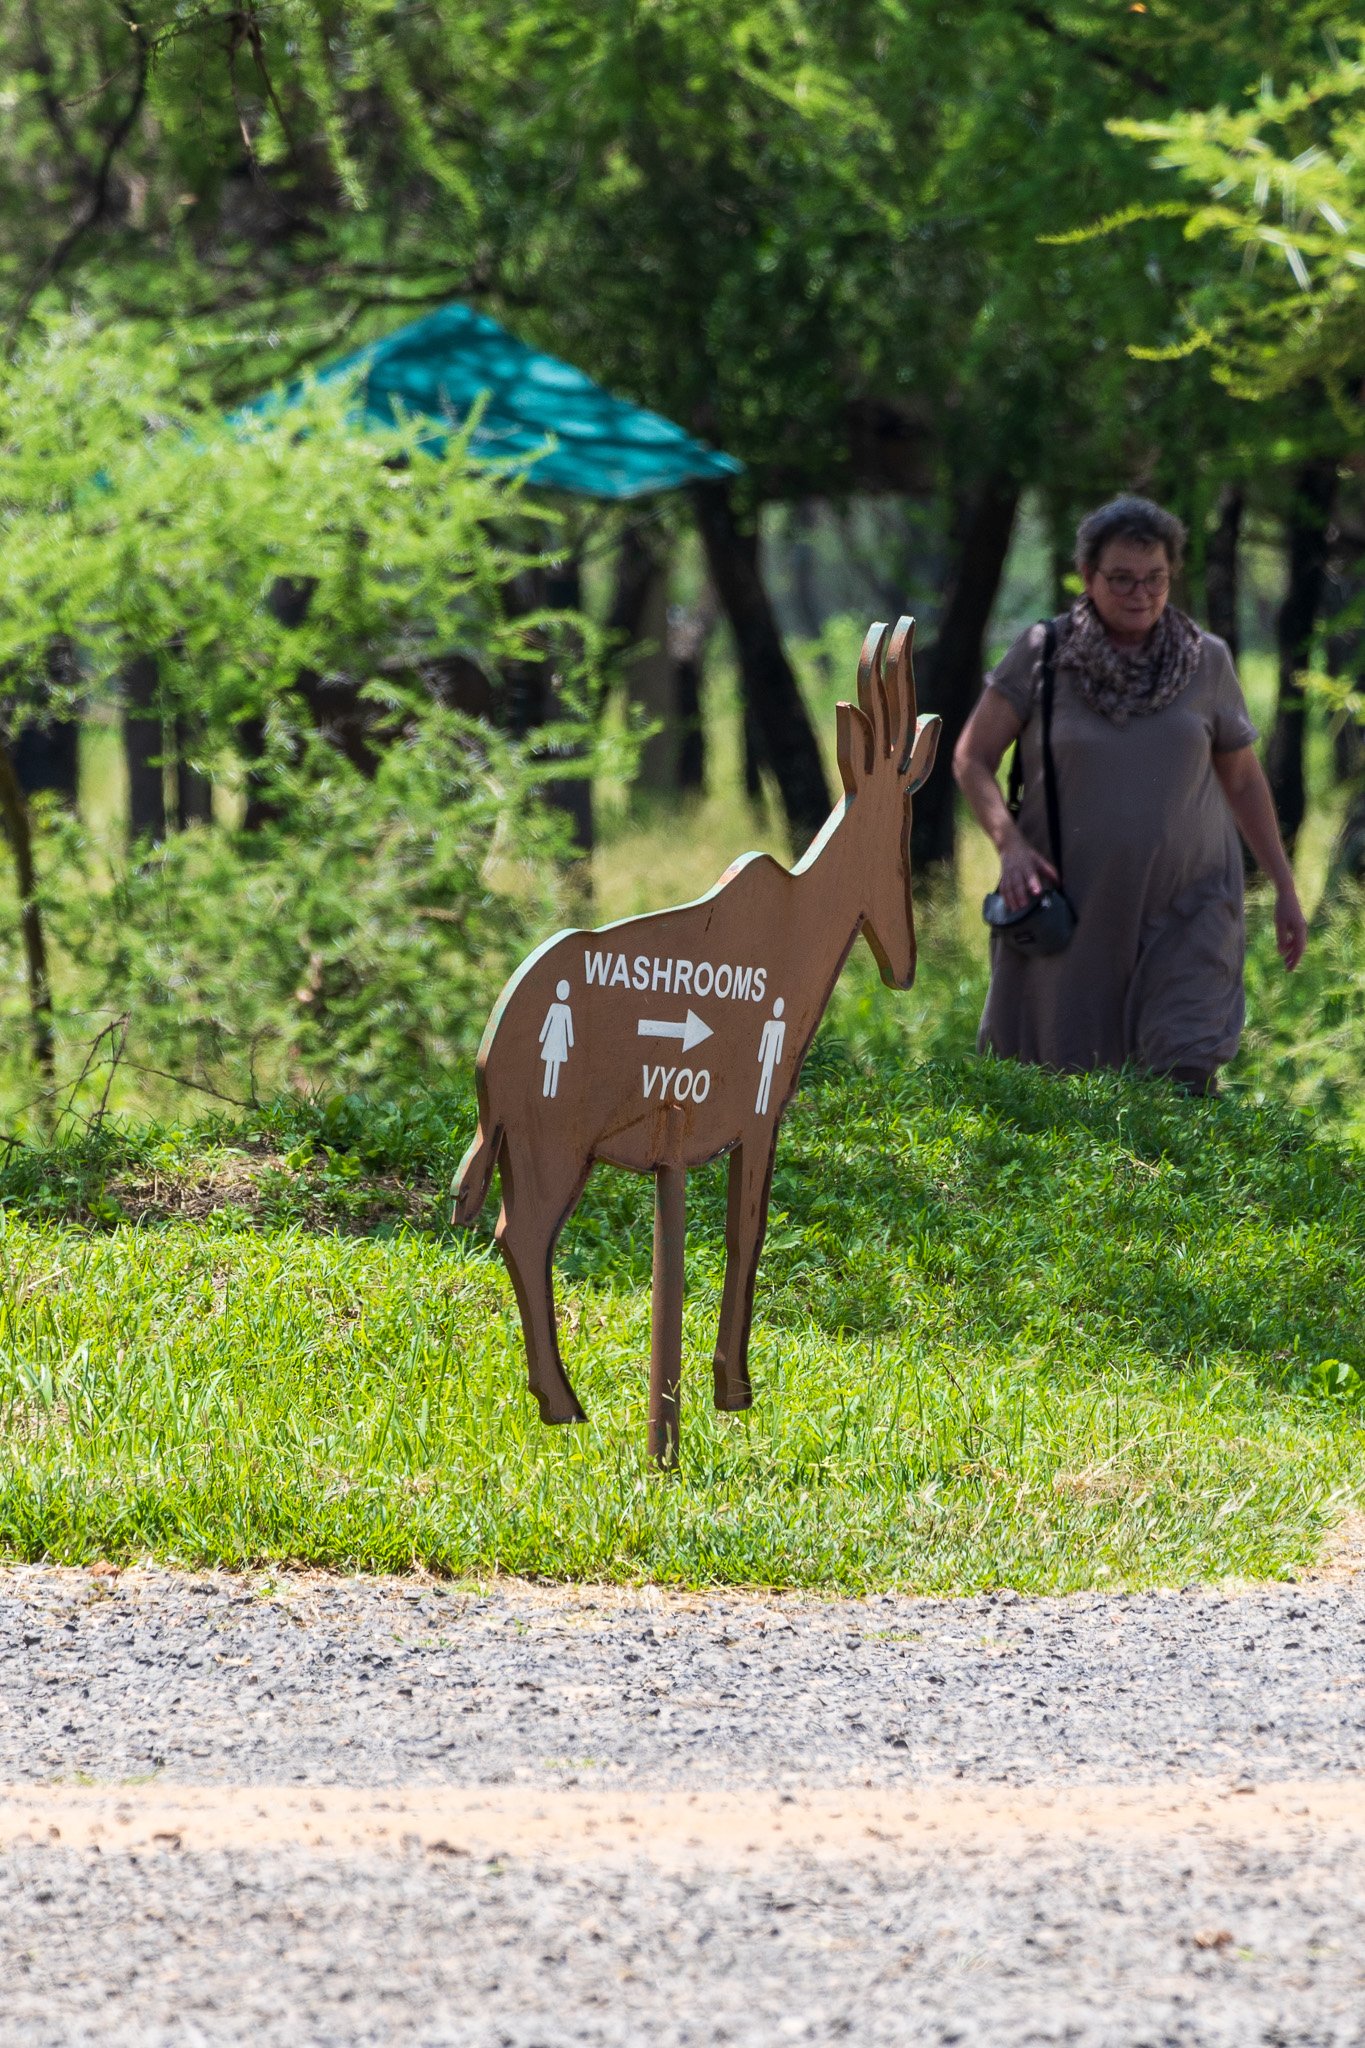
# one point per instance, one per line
(1054, 815)
(1016, 776)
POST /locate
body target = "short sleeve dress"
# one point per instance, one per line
(1152, 862)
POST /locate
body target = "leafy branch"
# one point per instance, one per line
(1283, 180)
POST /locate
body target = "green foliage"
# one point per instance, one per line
(1010, 1331)
(1305, 1040)
(358, 941)
(1333, 1376)
(808, 230)
(136, 520)
(1284, 179)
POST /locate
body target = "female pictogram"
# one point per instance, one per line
(794, 928)
(769, 1053)
(556, 1036)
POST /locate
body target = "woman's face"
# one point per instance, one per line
(1129, 587)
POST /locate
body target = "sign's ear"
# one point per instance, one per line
(922, 754)
(856, 745)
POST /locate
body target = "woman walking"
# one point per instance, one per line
(1154, 775)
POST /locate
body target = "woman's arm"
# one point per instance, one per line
(976, 758)
(1253, 807)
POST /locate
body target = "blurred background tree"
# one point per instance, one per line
(1279, 315)
(849, 241)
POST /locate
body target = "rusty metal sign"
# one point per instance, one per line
(668, 1040)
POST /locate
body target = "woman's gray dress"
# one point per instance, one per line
(1153, 865)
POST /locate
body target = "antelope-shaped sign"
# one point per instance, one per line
(667, 1040)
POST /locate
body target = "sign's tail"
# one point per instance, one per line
(475, 1174)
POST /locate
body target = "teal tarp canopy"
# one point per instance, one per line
(442, 365)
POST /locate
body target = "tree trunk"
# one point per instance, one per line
(780, 722)
(639, 617)
(335, 710)
(689, 635)
(525, 694)
(531, 687)
(1306, 542)
(1348, 855)
(753, 758)
(953, 666)
(144, 747)
(15, 818)
(46, 757)
(259, 808)
(193, 789)
(287, 602)
(1343, 608)
(801, 529)
(572, 794)
(1345, 657)
(637, 565)
(334, 702)
(1221, 567)
(46, 751)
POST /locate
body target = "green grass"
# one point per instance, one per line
(648, 854)
(1011, 1331)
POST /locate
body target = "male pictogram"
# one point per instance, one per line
(769, 1054)
(762, 928)
(556, 1036)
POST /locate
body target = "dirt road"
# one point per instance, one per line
(314, 1810)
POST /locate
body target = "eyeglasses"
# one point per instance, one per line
(1123, 583)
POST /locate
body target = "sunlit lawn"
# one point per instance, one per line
(1010, 1331)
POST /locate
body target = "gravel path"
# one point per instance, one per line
(341, 1811)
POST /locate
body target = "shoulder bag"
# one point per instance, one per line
(1045, 924)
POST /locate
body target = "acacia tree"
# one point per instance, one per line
(1281, 197)
(811, 231)
(1276, 199)
(136, 517)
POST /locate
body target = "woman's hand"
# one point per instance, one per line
(1291, 926)
(1024, 874)
(1251, 804)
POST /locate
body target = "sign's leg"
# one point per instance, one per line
(665, 1351)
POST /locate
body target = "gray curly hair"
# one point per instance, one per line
(1128, 518)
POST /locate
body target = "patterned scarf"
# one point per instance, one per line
(1124, 683)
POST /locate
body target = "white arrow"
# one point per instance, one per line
(691, 1033)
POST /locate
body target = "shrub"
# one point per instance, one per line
(1305, 1038)
(245, 558)
(359, 944)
